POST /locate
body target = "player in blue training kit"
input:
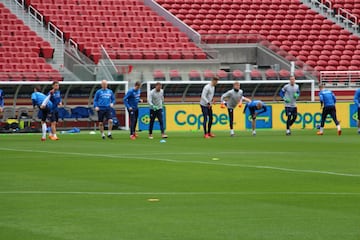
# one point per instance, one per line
(256, 107)
(45, 105)
(1, 100)
(290, 93)
(56, 100)
(131, 101)
(328, 101)
(357, 103)
(104, 100)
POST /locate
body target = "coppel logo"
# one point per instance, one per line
(353, 115)
(263, 120)
(306, 119)
(182, 118)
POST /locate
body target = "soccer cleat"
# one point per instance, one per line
(359, 132)
(339, 132)
(43, 139)
(288, 133)
(211, 135)
(320, 133)
(232, 135)
(151, 136)
(207, 136)
(164, 136)
(103, 137)
(110, 137)
(132, 137)
(254, 133)
(53, 138)
(136, 135)
(222, 105)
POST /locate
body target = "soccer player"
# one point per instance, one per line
(231, 99)
(45, 105)
(104, 100)
(156, 102)
(56, 100)
(328, 101)
(290, 93)
(254, 107)
(131, 101)
(1, 100)
(357, 103)
(206, 103)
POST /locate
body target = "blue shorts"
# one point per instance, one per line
(104, 114)
(54, 115)
(252, 112)
(45, 113)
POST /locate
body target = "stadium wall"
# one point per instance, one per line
(188, 117)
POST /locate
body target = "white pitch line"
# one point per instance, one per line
(194, 162)
(175, 193)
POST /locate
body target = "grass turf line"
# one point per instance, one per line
(229, 202)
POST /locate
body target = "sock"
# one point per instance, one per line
(109, 133)
(54, 135)
(103, 134)
(50, 134)
(321, 129)
(254, 132)
(338, 127)
(43, 128)
(358, 129)
(232, 131)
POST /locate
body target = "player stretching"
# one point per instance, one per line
(56, 101)
(357, 103)
(206, 102)
(104, 100)
(131, 101)
(45, 105)
(290, 93)
(328, 100)
(156, 102)
(1, 100)
(233, 97)
(254, 107)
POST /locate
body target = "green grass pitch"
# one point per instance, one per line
(268, 187)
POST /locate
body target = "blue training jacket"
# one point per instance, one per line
(1, 98)
(55, 99)
(254, 103)
(37, 99)
(327, 98)
(103, 98)
(356, 97)
(132, 98)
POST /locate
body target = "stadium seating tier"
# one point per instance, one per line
(288, 24)
(22, 52)
(128, 29)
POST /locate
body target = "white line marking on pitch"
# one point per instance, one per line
(177, 193)
(194, 162)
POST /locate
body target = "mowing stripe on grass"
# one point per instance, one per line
(194, 162)
(175, 193)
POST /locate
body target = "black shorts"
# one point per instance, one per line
(253, 112)
(54, 116)
(45, 113)
(104, 115)
(359, 113)
(291, 111)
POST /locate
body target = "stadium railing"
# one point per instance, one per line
(343, 79)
